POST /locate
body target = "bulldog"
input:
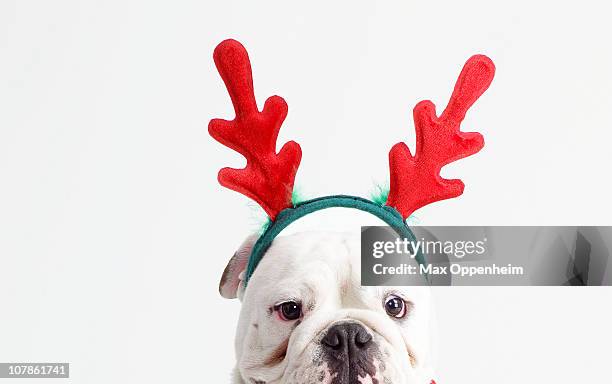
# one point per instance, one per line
(305, 318)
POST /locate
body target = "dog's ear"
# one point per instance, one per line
(234, 271)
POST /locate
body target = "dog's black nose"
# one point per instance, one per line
(346, 338)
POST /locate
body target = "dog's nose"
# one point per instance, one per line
(347, 337)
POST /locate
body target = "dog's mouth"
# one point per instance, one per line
(345, 352)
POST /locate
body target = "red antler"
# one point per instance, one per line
(268, 176)
(416, 180)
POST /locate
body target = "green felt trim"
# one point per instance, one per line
(380, 194)
(287, 216)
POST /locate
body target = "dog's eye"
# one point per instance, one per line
(289, 310)
(395, 306)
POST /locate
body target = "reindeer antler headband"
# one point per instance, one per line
(269, 176)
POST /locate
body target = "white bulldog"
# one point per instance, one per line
(305, 318)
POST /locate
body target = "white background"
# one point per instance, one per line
(114, 232)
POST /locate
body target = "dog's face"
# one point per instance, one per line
(306, 319)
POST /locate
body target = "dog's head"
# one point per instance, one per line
(305, 317)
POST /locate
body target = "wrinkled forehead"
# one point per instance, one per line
(310, 258)
(332, 248)
(317, 264)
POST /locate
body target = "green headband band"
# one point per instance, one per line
(287, 216)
